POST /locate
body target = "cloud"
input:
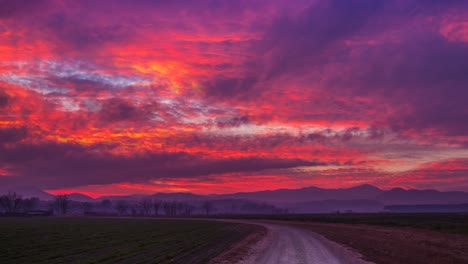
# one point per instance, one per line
(231, 87)
(81, 35)
(294, 44)
(4, 99)
(68, 165)
(128, 91)
(353, 49)
(425, 86)
(232, 121)
(120, 110)
(12, 134)
(449, 174)
(11, 9)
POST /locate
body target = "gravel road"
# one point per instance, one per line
(291, 245)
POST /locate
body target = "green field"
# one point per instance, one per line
(114, 240)
(456, 223)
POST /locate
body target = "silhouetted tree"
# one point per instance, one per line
(180, 208)
(170, 208)
(30, 203)
(146, 206)
(156, 206)
(174, 206)
(122, 207)
(106, 204)
(187, 209)
(86, 206)
(62, 203)
(207, 207)
(134, 210)
(166, 208)
(11, 202)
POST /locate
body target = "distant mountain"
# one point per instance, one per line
(289, 197)
(428, 208)
(402, 196)
(363, 198)
(80, 197)
(132, 197)
(27, 192)
(179, 196)
(331, 206)
(160, 196)
(308, 194)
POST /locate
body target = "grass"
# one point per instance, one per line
(456, 223)
(115, 240)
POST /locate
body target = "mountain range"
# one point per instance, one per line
(283, 197)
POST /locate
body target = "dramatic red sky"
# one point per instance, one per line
(219, 96)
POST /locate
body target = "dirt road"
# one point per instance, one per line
(286, 244)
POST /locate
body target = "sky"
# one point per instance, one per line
(220, 96)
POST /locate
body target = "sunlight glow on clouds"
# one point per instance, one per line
(115, 97)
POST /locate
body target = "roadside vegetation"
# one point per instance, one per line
(115, 240)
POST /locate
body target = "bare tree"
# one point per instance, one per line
(106, 203)
(11, 202)
(156, 206)
(167, 208)
(62, 203)
(207, 207)
(122, 207)
(174, 205)
(146, 206)
(134, 210)
(86, 206)
(30, 204)
(180, 208)
(187, 209)
(170, 208)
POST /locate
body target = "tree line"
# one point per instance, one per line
(13, 203)
(154, 207)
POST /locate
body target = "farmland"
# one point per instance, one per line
(387, 237)
(455, 223)
(115, 240)
(395, 244)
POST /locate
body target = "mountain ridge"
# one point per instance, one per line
(308, 194)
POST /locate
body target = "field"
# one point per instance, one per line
(381, 238)
(390, 244)
(115, 240)
(389, 238)
(455, 223)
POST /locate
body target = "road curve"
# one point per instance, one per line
(292, 245)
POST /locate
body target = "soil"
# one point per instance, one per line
(241, 249)
(395, 244)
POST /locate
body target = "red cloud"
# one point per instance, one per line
(261, 88)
